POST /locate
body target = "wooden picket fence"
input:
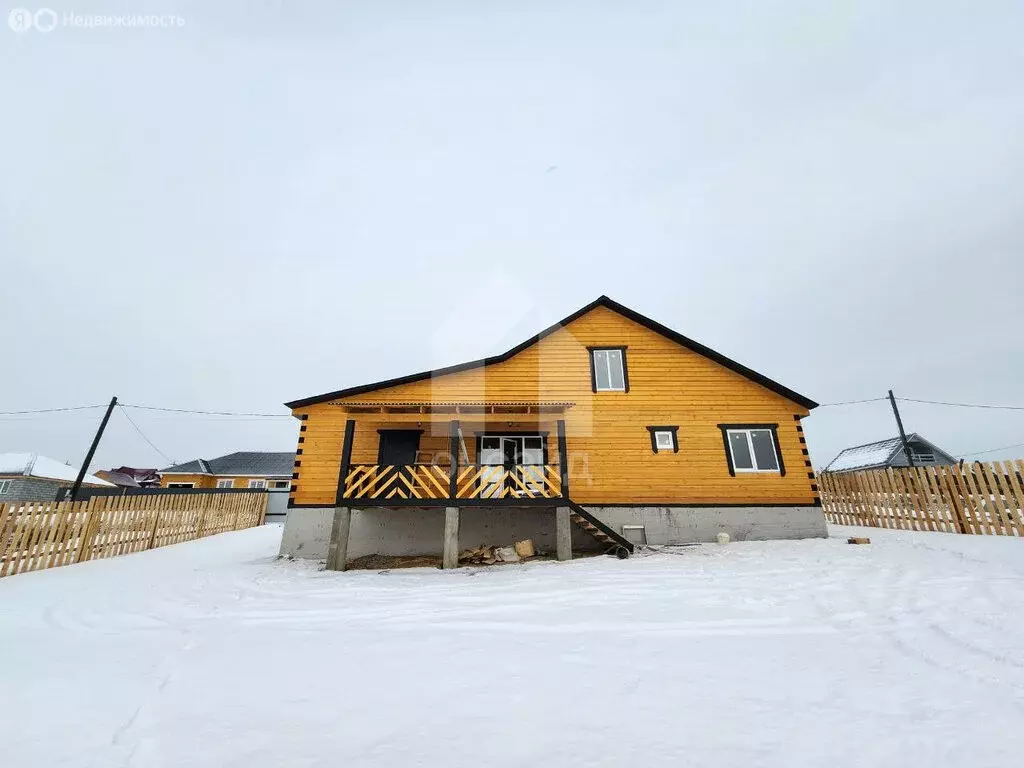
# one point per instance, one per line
(979, 498)
(39, 535)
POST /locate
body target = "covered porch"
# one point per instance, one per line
(453, 454)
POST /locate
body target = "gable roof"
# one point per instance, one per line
(877, 454)
(34, 465)
(601, 301)
(269, 463)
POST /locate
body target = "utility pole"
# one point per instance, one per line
(903, 435)
(92, 449)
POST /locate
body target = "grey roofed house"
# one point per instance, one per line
(889, 453)
(31, 477)
(247, 463)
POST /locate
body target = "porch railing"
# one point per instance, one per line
(408, 484)
(472, 481)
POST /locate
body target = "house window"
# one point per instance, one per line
(225, 483)
(752, 448)
(257, 483)
(5, 486)
(664, 439)
(280, 483)
(608, 369)
(181, 485)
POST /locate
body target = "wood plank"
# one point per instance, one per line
(1018, 490)
(1007, 522)
(38, 527)
(22, 527)
(52, 540)
(979, 510)
(904, 484)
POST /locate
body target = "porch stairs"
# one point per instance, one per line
(614, 543)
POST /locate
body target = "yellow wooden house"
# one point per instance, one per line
(607, 420)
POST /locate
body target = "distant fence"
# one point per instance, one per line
(984, 498)
(39, 535)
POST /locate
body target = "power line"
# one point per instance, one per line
(853, 402)
(992, 451)
(964, 405)
(143, 436)
(209, 413)
(53, 410)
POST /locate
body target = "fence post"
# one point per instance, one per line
(201, 515)
(234, 522)
(156, 521)
(6, 521)
(262, 517)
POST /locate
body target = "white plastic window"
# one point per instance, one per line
(753, 450)
(609, 373)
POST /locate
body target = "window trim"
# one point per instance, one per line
(593, 368)
(654, 438)
(260, 483)
(773, 428)
(5, 486)
(225, 480)
(287, 484)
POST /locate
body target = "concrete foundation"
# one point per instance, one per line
(307, 532)
(681, 525)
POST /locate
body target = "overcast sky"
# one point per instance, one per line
(281, 199)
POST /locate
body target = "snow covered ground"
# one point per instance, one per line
(907, 652)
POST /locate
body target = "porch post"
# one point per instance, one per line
(346, 461)
(450, 555)
(563, 534)
(563, 458)
(337, 550)
(453, 449)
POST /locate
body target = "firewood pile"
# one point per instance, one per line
(522, 550)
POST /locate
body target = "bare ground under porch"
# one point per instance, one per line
(413, 532)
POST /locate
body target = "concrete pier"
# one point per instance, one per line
(450, 554)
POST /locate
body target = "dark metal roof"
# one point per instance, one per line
(240, 463)
(189, 467)
(602, 301)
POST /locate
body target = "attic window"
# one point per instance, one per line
(5, 486)
(608, 369)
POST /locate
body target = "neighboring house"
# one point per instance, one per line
(644, 434)
(31, 477)
(889, 453)
(245, 469)
(131, 477)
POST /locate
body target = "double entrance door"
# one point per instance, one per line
(503, 457)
